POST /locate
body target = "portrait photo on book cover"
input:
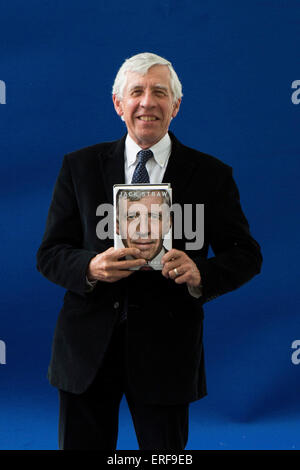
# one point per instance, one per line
(142, 219)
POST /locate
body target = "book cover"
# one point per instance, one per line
(142, 219)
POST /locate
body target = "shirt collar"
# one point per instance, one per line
(161, 150)
(156, 263)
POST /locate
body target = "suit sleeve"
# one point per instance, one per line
(237, 255)
(61, 257)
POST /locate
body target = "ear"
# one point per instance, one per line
(176, 108)
(118, 105)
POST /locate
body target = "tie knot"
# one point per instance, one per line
(144, 155)
(146, 268)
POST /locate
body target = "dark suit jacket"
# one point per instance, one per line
(164, 326)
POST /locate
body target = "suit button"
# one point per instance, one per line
(116, 305)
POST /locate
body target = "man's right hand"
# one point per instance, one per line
(107, 265)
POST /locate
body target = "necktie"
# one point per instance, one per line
(146, 268)
(140, 174)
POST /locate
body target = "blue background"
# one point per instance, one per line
(237, 61)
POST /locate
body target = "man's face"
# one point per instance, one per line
(147, 105)
(143, 224)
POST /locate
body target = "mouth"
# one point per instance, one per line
(148, 118)
(143, 243)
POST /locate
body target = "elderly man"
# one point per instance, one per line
(112, 337)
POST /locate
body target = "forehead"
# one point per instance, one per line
(156, 75)
(145, 202)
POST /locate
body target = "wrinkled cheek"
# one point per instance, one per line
(155, 232)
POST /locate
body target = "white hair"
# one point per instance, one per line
(140, 64)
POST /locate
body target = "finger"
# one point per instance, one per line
(172, 254)
(133, 252)
(176, 272)
(168, 269)
(122, 252)
(171, 265)
(183, 269)
(191, 276)
(129, 263)
(182, 278)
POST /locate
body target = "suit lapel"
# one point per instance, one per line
(112, 167)
(178, 172)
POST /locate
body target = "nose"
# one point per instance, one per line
(147, 99)
(144, 226)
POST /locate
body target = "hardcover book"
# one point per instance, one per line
(142, 219)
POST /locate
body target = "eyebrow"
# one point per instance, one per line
(156, 86)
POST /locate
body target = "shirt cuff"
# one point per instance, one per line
(90, 284)
(195, 291)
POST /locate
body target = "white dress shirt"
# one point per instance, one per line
(155, 166)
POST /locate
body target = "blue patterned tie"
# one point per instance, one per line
(140, 174)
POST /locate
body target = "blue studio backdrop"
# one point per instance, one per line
(238, 63)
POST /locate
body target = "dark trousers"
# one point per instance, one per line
(89, 421)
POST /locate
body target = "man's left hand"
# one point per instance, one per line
(179, 266)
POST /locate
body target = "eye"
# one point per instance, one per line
(137, 92)
(155, 216)
(133, 216)
(160, 92)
